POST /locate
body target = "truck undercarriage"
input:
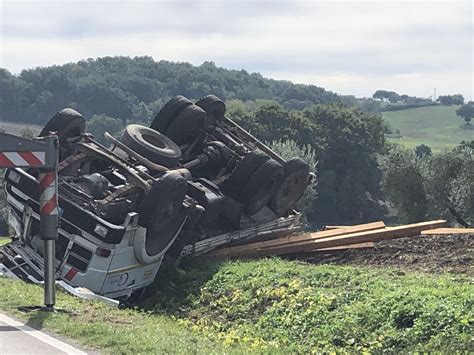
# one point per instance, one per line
(191, 182)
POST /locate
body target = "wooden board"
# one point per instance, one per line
(347, 247)
(335, 227)
(443, 231)
(291, 239)
(303, 245)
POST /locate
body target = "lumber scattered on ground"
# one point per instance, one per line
(443, 231)
(341, 237)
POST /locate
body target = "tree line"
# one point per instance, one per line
(133, 89)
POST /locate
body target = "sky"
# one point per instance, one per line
(348, 47)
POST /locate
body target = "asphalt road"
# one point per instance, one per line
(18, 338)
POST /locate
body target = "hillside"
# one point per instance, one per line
(133, 89)
(435, 126)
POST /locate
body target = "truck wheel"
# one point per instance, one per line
(251, 162)
(168, 112)
(293, 186)
(152, 145)
(190, 121)
(213, 106)
(162, 212)
(259, 189)
(67, 123)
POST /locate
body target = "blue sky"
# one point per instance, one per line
(350, 47)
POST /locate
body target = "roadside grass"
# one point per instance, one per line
(436, 126)
(269, 306)
(296, 307)
(102, 327)
(5, 240)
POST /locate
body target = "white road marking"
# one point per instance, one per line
(60, 345)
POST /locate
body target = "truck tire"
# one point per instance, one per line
(242, 172)
(213, 106)
(189, 122)
(259, 189)
(162, 212)
(67, 123)
(293, 186)
(168, 112)
(152, 145)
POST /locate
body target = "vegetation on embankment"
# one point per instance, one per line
(298, 307)
(269, 306)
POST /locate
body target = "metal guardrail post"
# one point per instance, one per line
(44, 155)
(48, 199)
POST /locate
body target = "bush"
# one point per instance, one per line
(430, 186)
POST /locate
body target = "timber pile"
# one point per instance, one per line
(336, 238)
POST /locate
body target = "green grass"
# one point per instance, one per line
(297, 307)
(4, 240)
(436, 126)
(99, 326)
(271, 306)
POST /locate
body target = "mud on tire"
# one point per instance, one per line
(168, 112)
(293, 186)
(187, 125)
(66, 123)
(261, 185)
(251, 162)
(162, 212)
(213, 106)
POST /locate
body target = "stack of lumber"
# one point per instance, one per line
(334, 238)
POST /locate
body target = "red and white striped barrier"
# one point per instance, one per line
(23, 159)
(48, 193)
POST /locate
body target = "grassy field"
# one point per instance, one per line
(436, 126)
(17, 128)
(270, 306)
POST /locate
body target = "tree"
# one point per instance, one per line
(435, 186)
(402, 184)
(466, 112)
(449, 100)
(99, 124)
(422, 151)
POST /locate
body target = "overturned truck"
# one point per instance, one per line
(191, 182)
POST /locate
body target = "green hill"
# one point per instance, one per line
(436, 126)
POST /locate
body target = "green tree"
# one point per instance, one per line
(422, 151)
(402, 184)
(466, 112)
(99, 124)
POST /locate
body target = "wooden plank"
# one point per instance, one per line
(335, 227)
(291, 239)
(443, 231)
(347, 247)
(265, 248)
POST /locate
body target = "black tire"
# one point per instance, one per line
(187, 125)
(168, 112)
(162, 212)
(259, 189)
(213, 106)
(152, 145)
(67, 123)
(251, 162)
(293, 186)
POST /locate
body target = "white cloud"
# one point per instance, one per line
(348, 47)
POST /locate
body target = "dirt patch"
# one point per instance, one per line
(448, 253)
